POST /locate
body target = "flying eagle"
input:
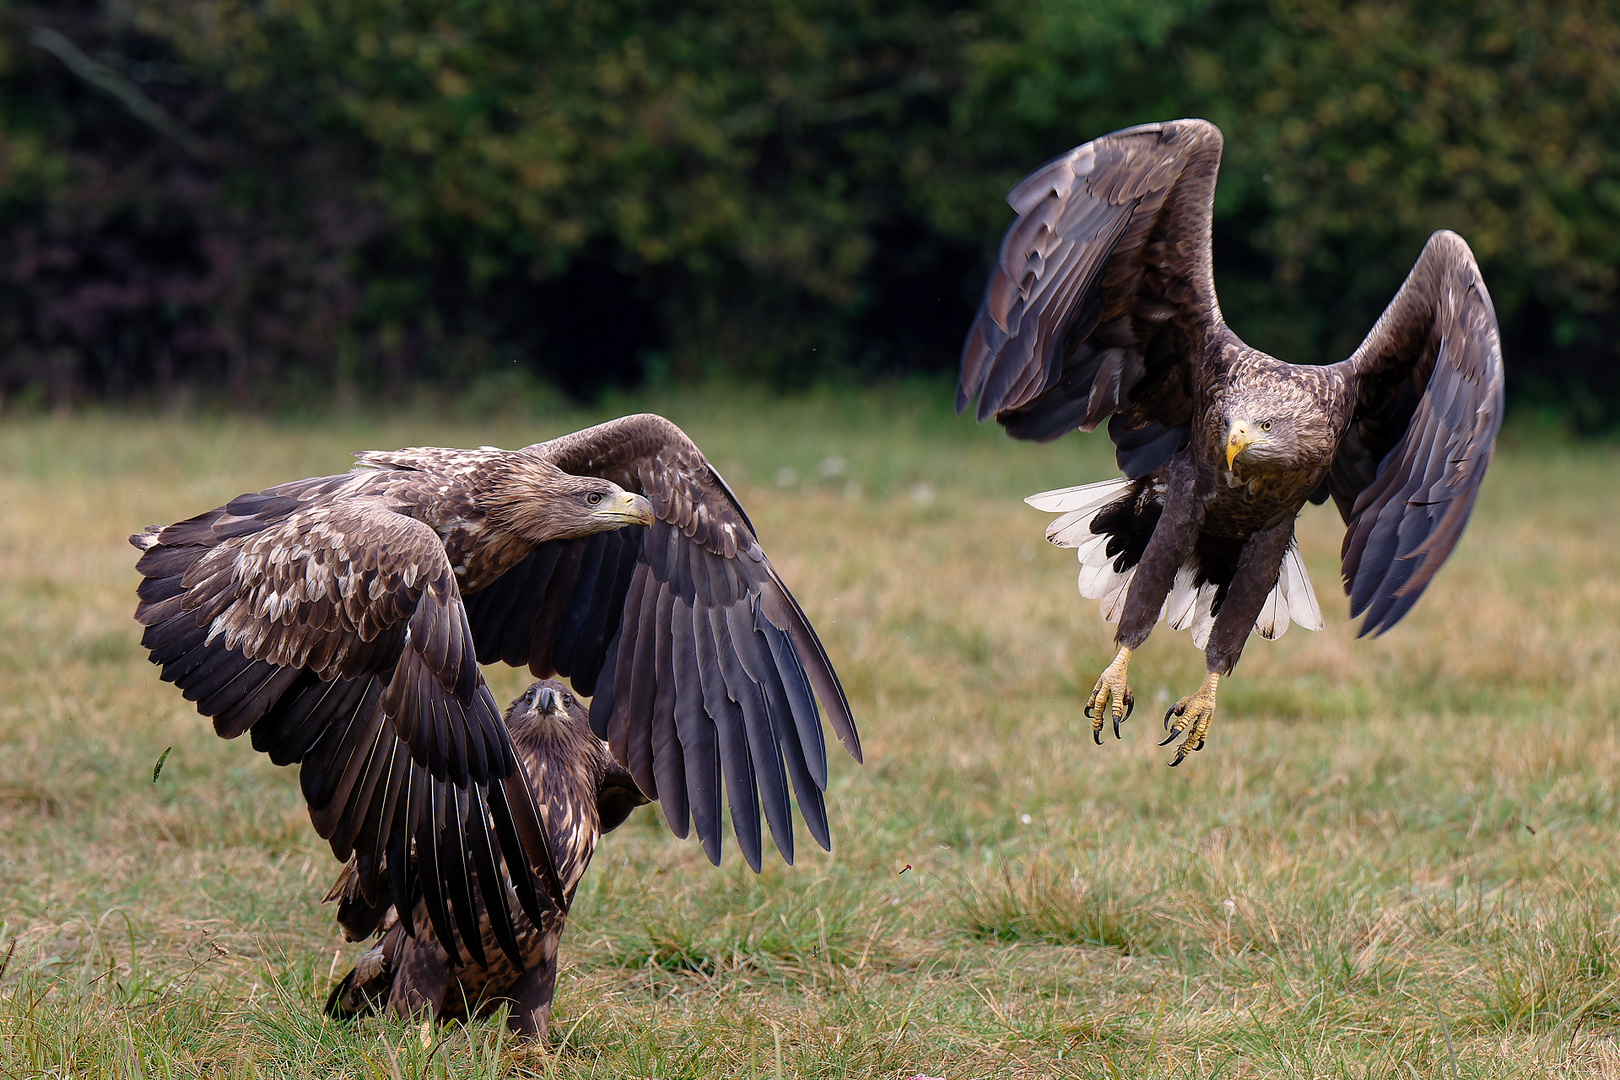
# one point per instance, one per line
(581, 792)
(1101, 307)
(342, 619)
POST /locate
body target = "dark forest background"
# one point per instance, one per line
(268, 202)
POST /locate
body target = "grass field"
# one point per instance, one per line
(1396, 858)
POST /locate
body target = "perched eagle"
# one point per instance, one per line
(342, 619)
(1101, 307)
(581, 792)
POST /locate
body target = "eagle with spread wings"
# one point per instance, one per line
(341, 620)
(1101, 306)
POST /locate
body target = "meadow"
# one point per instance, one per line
(1395, 857)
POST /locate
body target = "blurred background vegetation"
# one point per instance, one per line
(273, 203)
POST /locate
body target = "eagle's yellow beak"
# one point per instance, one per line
(1237, 441)
(626, 507)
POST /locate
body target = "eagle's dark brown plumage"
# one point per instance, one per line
(1101, 307)
(581, 793)
(342, 620)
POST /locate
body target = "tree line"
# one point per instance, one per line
(270, 201)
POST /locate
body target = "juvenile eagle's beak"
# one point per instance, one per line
(1237, 441)
(547, 701)
(625, 508)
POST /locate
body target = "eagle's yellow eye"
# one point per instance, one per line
(1265, 425)
(593, 498)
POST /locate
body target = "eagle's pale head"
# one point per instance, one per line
(1276, 425)
(541, 502)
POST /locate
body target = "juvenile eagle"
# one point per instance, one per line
(1101, 306)
(342, 619)
(581, 792)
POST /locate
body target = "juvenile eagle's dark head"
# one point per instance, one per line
(552, 705)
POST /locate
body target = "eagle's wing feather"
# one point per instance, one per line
(1426, 407)
(1102, 293)
(616, 797)
(333, 629)
(703, 671)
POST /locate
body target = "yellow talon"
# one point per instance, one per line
(1111, 693)
(1192, 715)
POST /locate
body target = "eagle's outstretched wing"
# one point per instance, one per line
(334, 632)
(1427, 406)
(701, 667)
(1102, 294)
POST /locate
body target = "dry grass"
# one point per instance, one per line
(1342, 881)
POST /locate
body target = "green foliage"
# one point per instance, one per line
(684, 133)
(1372, 124)
(786, 187)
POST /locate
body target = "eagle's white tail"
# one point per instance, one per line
(1188, 607)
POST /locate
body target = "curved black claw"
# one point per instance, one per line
(1096, 736)
(1174, 710)
(1130, 707)
(1183, 749)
